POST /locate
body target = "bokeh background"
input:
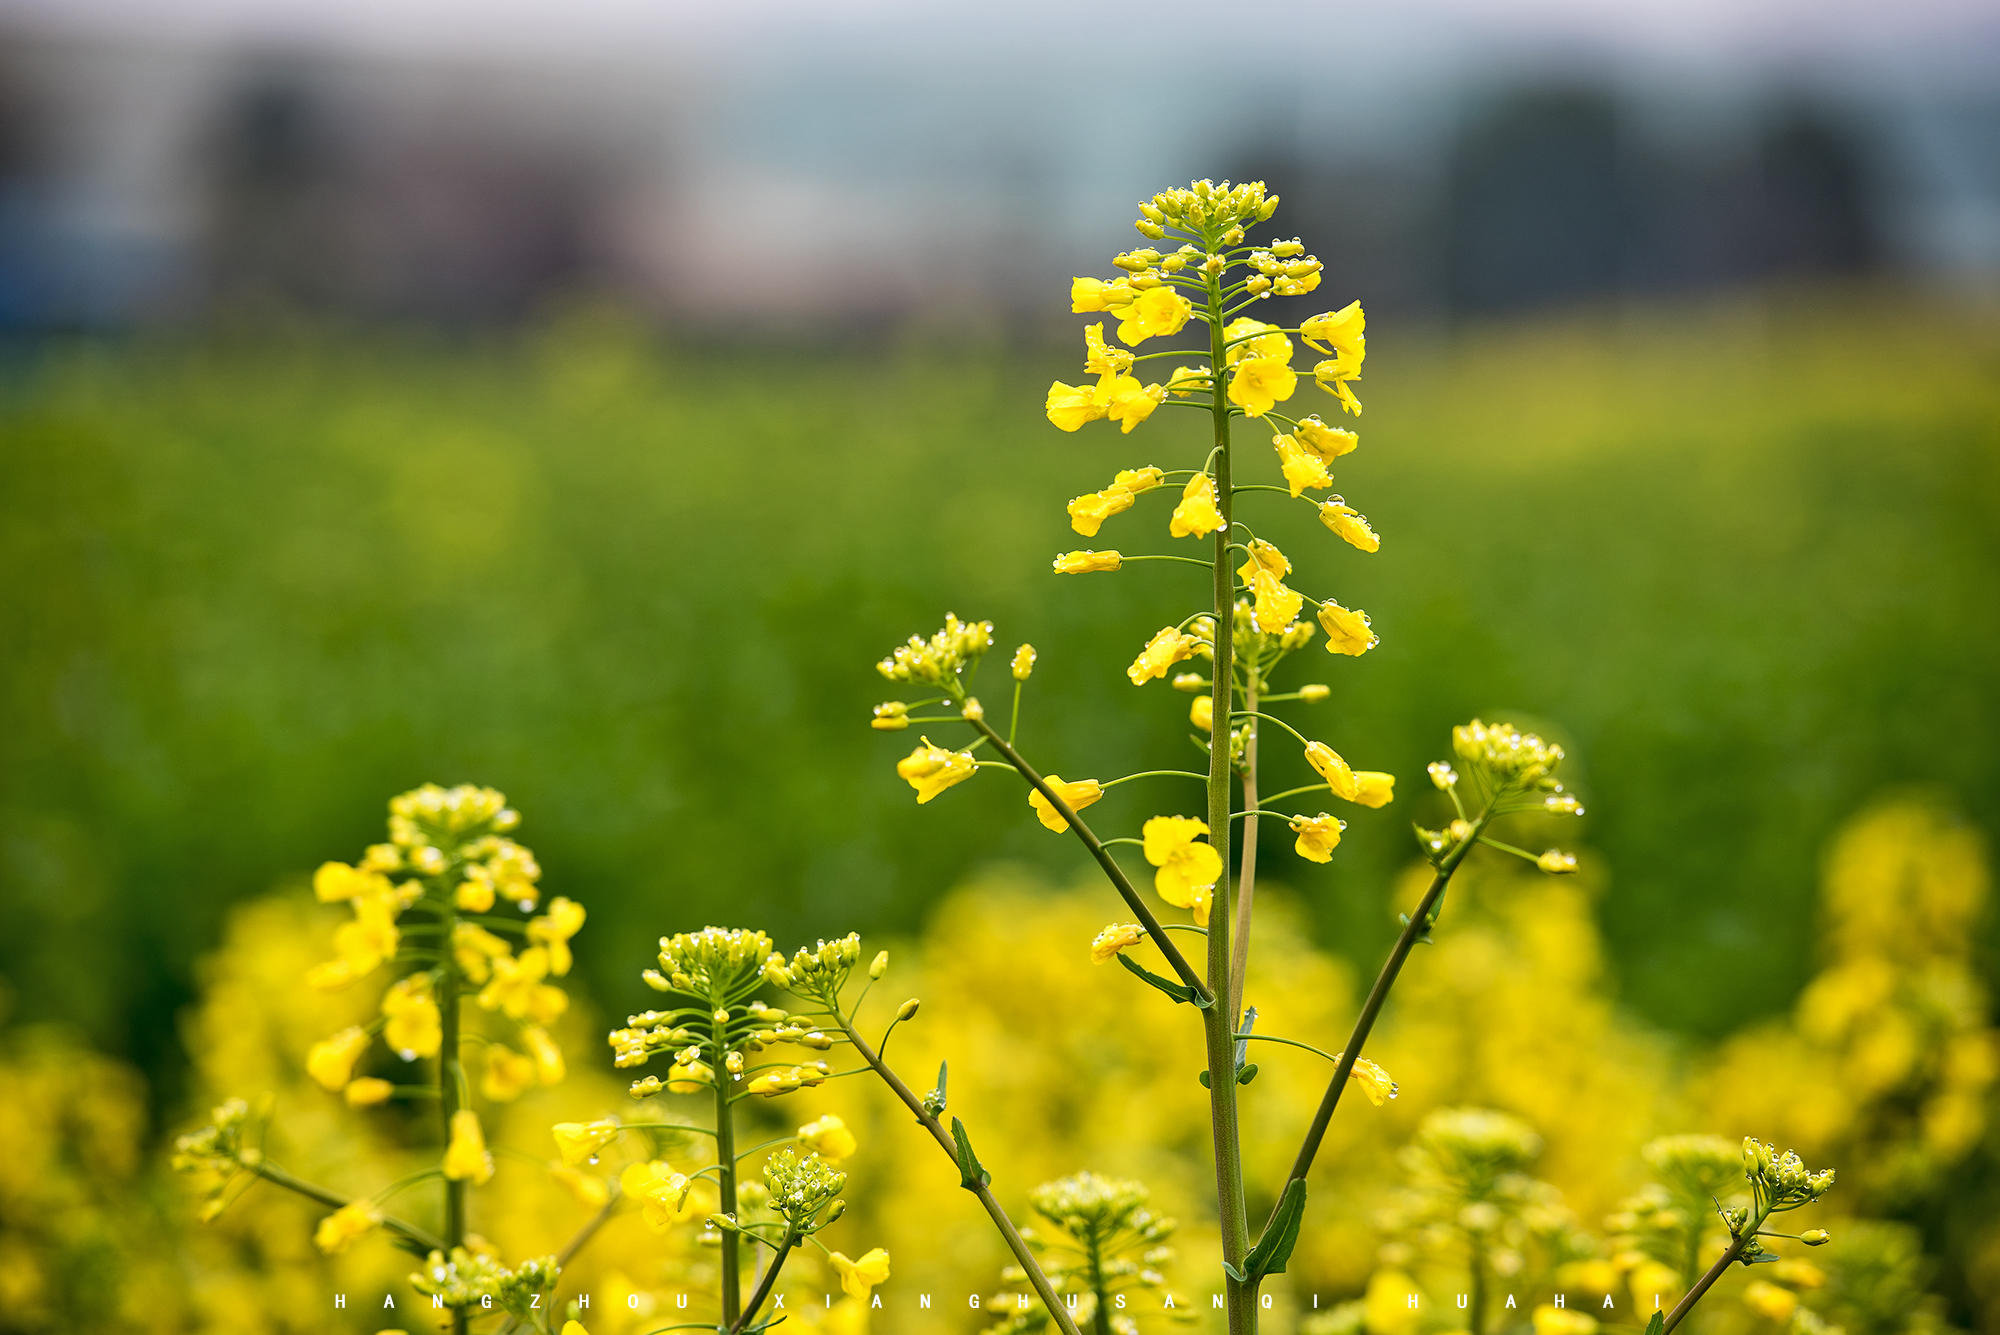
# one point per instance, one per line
(578, 399)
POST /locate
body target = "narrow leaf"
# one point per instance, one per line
(971, 1175)
(1274, 1249)
(1175, 990)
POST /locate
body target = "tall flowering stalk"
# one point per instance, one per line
(1236, 370)
(450, 908)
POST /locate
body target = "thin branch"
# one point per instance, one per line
(1133, 901)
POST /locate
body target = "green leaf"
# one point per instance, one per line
(970, 1175)
(1274, 1249)
(1657, 1324)
(1178, 991)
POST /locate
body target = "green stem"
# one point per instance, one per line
(420, 1241)
(1219, 1021)
(1476, 1319)
(725, 1181)
(1707, 1281)
(451, 1086)
(764, 1285)
(1100, 1317)
(1011, 1235)
(1133, 901)
(1246, 881)
(1413, 930)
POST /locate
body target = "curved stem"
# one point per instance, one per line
(1011, 1235)
(1147, 918)
(1413, 930)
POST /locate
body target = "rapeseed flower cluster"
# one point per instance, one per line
(1202, 278)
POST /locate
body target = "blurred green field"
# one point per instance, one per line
(1743, 558)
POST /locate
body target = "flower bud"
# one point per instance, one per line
(1556, 862)
(907, 1010)
(1190, 681)
(879, 965)
(1314, 692)
(1024, 662)
(1815, 1237)
(890, 716)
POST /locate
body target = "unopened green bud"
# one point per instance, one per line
(1815, 1237)
(907, 1010)
(880, 965)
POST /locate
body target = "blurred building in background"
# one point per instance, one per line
(778, 165)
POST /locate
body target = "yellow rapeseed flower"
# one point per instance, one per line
(1304, 470)
(1374, 1081)
(1188, 868)
(1260, 384)
(579, 1142)
(1164, 650)
(331, 1060)
(1342, 332)
(337, 883)
(1318, 837)
(1373, 788)
(339, 1230)
(1196, 515)
(1101, 359)
(466, 1158)
(1326, 762)
(932, 769)
(548, 1058)
(1770, 1301)
(1552, 1320)
(554, 929)
(1079, 794)
(1263, 556)
(508, 1074)
(367, 1092)
(1087, 563)
(474, 949)
(1201, 713)
(664, 1196)
(1333, 377)
(1087, 513)
(1070, 406)
(829, 1138)
(1349, 524)
(1094, 294)
(1136, 480)
(859, 1277)
(1277, 606)
(1328, 442)
(516, 982)
(414, 1028)
(1346, 632)
(1158, 313)
(1114, 940)
(1127, 402)
(1259, 340)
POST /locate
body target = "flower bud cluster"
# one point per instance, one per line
(942, 659)
(803, 1190)
(1505, 759)
(470, 1279)
(821, 971)
(1781, 1181)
